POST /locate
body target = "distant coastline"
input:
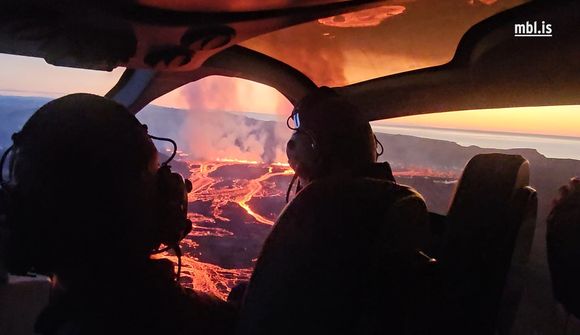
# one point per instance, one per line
(387, 130)
(551, 146)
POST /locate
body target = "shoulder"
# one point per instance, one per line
(356, 189)
(563, 224)
(329, 204)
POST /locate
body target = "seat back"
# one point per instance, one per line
(490, 227)
(337, 261)
(525, 202)
(563, 251)
(21, 301)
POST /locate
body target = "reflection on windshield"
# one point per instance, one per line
(406, 35)
(364, 18)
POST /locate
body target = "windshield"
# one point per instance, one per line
(34, 77)
(429, 152)
(393, 38)
(27, 83)
(225, 127)
(232, 134)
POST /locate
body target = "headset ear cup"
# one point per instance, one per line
(172, 203)
(303, 154)
(380, 150)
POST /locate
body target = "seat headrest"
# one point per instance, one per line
(494, 177)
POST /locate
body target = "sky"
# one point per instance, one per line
(33, 76)
(552, 120)
(25, 76)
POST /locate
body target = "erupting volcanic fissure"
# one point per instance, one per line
(233, 205)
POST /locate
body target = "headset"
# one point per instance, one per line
(172, 203)
(172, 224)
(312, 151)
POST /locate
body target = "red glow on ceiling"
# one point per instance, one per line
(364, 18)
(485, 2)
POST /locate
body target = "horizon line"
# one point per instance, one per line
(467, 130)
(273, 116)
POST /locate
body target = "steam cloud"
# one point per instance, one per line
(212, 131)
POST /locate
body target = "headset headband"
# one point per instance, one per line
(3, 182)
(166, 139)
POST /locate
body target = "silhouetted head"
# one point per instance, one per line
(82, 174)
(331, 136)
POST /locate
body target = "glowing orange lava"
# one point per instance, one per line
(221, 193)
(210, 278)
(254, 187)
(241, 194)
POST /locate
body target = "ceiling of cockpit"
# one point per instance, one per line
(229, 5)
(399, 36)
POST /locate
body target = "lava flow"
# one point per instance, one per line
(207, 187)
(233, 206)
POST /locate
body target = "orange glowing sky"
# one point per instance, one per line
(29, 76)
(552, 120)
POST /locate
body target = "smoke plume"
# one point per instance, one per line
(215, 129)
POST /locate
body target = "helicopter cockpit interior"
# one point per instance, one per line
(455, 90)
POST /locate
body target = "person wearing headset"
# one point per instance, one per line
(339, 257)
(87, 203)
(563, 246)
(330, 139)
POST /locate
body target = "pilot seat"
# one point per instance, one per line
(488, 236)
(341, 259)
